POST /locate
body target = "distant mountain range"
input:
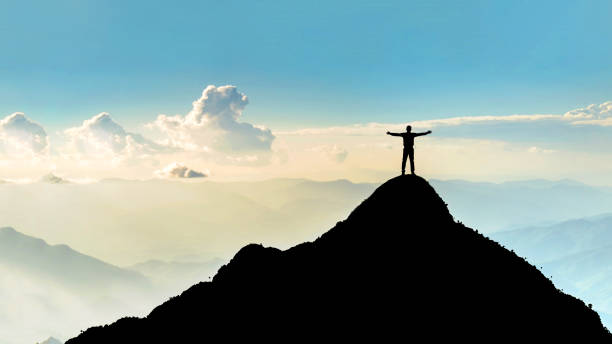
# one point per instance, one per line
(547, 243)
(493, 207)
(398, 268)
(125, 222)
(576, 254)
(55, 290)
(587, 274)
(63, 265)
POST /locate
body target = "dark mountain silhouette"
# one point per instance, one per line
(398, 268)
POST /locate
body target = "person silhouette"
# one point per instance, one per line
(408, 137)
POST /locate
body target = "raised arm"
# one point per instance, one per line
(421, 134)
(393, 134)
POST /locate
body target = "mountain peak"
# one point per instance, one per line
(398, 267)
(408, 196)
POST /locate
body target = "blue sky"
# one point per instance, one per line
(313, 63)
(117, 65)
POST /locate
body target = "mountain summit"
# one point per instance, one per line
(399, 267)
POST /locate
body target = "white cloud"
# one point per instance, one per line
(539, 150)
(593, 111)
(213, 125)
(456, 121)
(100, 137)
(179, 170)
(604, 122)
(212, 135)
(374, 128)
(593, 114)
(22, 138)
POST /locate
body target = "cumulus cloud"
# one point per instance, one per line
(179, 170)
(213, 125)
(21, 137)
(594, 114)
(213, 131)
(593, 111)
(100, 137)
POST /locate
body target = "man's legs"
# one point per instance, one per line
(411, 154)
(404, 155)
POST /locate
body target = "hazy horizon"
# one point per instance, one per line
(161, 219)
(65, 179)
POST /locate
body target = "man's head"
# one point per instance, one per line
(408, 129)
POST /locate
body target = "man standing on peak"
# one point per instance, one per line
(408, 137)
